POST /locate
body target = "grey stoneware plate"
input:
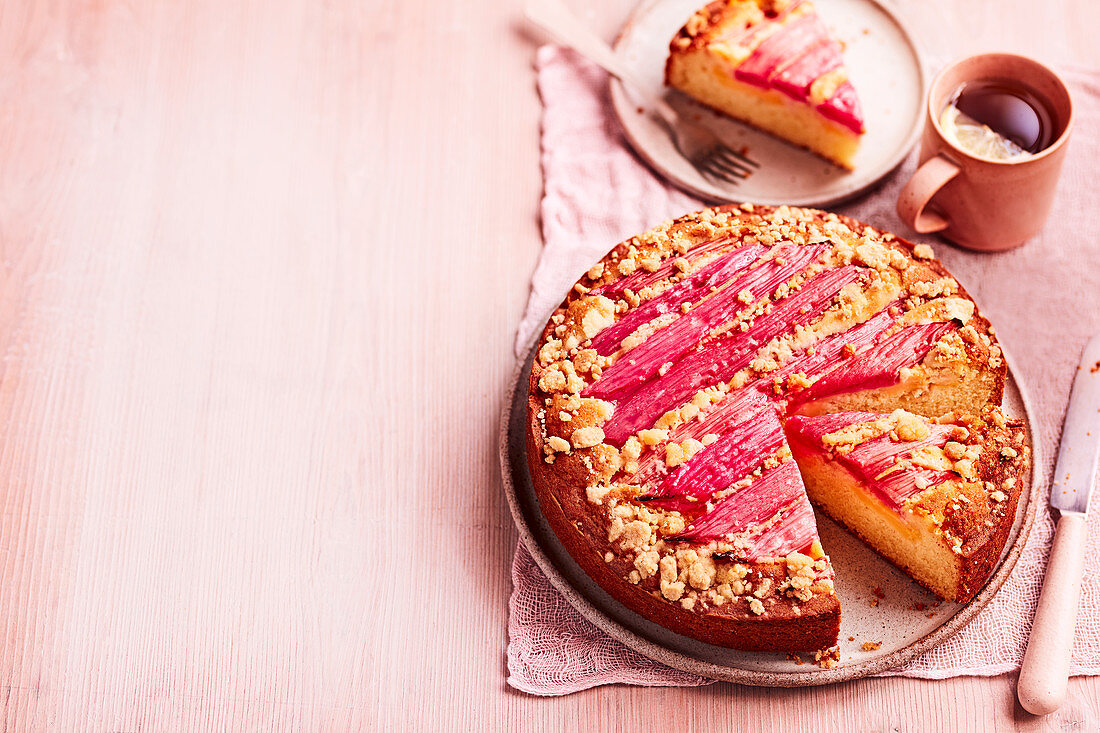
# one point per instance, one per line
(886, 69)
(879, 603)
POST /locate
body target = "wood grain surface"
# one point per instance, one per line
(260, 266)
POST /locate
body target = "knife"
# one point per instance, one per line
(1045, 672)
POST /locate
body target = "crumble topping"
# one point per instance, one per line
(827, 658)
(678, 453)
(900, 424)
(825, 86)
(923, 252)
(587, 437)
(909, 427)
(596, 493)
(557, 444)
(653, 436)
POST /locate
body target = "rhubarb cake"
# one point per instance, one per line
(661, 387)
(772, 64)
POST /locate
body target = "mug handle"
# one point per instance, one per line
(933, 175)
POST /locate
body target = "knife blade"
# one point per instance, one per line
(1045, 671)
(1077, 454)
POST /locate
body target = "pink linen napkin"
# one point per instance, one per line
(1044, 299)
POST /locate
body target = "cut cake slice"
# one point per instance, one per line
(936, 498)
(772, 64)
(718, 521)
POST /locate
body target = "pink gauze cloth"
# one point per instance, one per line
(1044, 299)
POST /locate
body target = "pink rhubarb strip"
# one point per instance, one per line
(776, 490)
(695, 287)
(879, 366)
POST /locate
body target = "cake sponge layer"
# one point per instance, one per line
(907, 540)
(708, 79)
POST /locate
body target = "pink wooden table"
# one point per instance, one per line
(260, 266)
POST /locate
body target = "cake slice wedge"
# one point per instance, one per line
(937, 498)
(710, 526)
(774, 65)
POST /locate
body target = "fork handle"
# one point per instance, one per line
(1045, 671)
(554, 17)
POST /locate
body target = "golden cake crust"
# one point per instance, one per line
(977, 512)
(568, 456)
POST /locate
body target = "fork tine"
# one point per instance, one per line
(728, 169)
(704, 168)
(730, 163)
(709, 170)
(736, 159)
(744, 158)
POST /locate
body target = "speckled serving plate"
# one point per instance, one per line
(879, 603)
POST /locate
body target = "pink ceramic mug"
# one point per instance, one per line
(978, 203)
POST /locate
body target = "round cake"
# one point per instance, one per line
(708, 382)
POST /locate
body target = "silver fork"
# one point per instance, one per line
(699, 145)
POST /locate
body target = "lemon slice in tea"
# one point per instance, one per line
(973, 137)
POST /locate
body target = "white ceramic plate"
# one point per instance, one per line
(906, 621)
(886, 70)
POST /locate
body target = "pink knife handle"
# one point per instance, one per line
(1045, 672)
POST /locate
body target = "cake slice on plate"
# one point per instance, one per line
(935, 497)
(772, 64)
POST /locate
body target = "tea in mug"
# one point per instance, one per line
(997, 120)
